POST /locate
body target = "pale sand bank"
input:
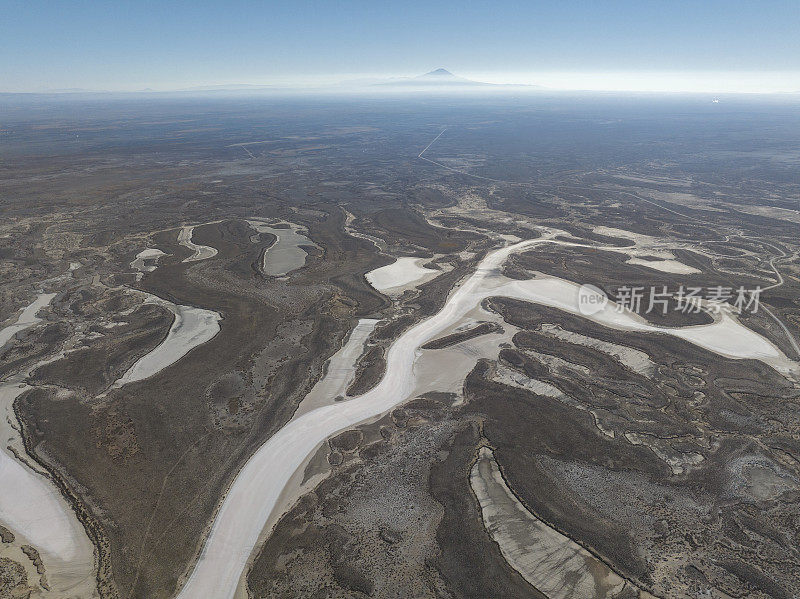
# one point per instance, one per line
(665, 265)
(27, 317)
(553, 563)
(340, 370)
(190, 328)
(402, 274)
(31, 507)
(286, 254)
(140, 262)
(201, 252)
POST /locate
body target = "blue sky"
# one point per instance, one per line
(169, 45)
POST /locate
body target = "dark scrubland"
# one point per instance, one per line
(683, 478)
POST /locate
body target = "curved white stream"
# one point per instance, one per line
(255, 491)
(27, 317)
(190, 328)
(30, 504)
(201, 252)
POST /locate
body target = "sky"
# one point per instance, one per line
(703, 45)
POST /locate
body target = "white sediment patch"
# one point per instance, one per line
(557, 364)
(27, 317)
(635, 359)
(667, 265)
(257, 489)
(286, 254)
(770, 212)
(34, 510)
(201, 252)
(444, 370)
(190, 328)
(404, 273)
(648, 251)
(32, 507)
(725, 336)
(341, 369)
(509, 376)
(140, 262)
(553, 563)
(638, 238)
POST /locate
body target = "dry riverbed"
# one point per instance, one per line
(258, 487)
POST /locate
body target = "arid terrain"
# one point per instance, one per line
(265, 347)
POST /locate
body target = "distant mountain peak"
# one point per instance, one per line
(440, 77)
(439, 73)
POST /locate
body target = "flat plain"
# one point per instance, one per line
(266, 347)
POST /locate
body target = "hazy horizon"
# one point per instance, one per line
(648, 82)
(712, 47)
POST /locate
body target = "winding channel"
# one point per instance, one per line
(191, 327)
(30, 504)
(27, 317)
(201, 252)
(256, 490)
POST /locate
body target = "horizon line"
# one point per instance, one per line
(668, 82)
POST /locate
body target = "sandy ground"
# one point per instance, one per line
(444, 370)
(31, 507)
(256, 490)
(513, 378)
(27, 318)
(666, 265)
(34, 510)
(340, 370)
(635, 359)
(725, 336)
(190, 328)
(648, 251)
(147, 254)
(553, 563)
(792, 216)
(286, 254)
(404, 273)
(201, 252)
(638, 238)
